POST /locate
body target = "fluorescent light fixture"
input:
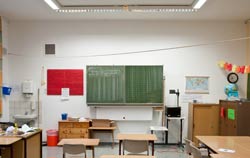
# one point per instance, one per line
(55, 5)
(198, 4)
(52, 4)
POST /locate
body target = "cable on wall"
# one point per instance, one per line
(152, 50)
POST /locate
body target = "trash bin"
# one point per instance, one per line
(52, 137)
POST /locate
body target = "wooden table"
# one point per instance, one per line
(109, 129)
(240, 144)
(91, 143)
(148, 137)
(126, 156)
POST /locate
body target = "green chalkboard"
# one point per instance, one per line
(144, 84)
(105, 84)
(124, 85)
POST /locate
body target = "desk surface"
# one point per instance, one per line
(102, 128)
(126, 156)
(240, 144)
(86, 142)
(5, 140)
(150, 137)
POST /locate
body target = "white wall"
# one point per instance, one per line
(77, 39)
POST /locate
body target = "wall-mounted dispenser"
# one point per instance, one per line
(27, 87)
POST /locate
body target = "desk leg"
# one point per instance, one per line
(113, 138)
(120, 146)
(153, 148)
(166, 137)
(93, 152)
(181, 133)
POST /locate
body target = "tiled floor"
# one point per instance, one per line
(161, 151)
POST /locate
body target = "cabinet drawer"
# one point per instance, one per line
(81, 125)
(66, 125)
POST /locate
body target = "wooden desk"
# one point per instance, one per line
(109, 129)
(22, 146)
(7, 145)
(126, 156)
(89, 143)
(148, 137)
(240, 144)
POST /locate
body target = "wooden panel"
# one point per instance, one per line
(203, 119)
(5, 152)
(33, 146)
(243, 118)
(18, 149)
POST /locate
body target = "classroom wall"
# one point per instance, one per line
(76, 39)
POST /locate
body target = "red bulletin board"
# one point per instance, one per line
(64, 78)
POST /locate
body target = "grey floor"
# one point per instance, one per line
(161, 151)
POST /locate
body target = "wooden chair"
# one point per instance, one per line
(197, 153)
(74, 149)
(135, 147)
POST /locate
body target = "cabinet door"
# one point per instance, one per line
(205, 121)
(228, 125)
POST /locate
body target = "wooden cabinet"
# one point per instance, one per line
(203, 119)
(73, 129)
(234, 118)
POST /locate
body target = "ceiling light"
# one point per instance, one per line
(52, 4)
(198, 4)
(55, 5)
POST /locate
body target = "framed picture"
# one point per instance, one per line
(197, 84)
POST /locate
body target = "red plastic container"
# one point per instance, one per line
(52, 137)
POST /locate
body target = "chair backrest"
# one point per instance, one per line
(101, 122)
(135, 146)
(188, 149)
(74, 149)
(195, 151)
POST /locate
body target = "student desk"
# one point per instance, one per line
(89, 143)
(148, 137)
(22, 146)
(126, 156)
(240, 144)
(8, 142)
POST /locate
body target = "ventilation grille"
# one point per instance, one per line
(50, 49)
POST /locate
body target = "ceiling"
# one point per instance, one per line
(225, 10)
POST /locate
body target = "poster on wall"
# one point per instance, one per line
(197, 84)
(65, 78)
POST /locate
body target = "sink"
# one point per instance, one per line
(25, 117)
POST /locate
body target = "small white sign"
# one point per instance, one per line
(65, 94)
